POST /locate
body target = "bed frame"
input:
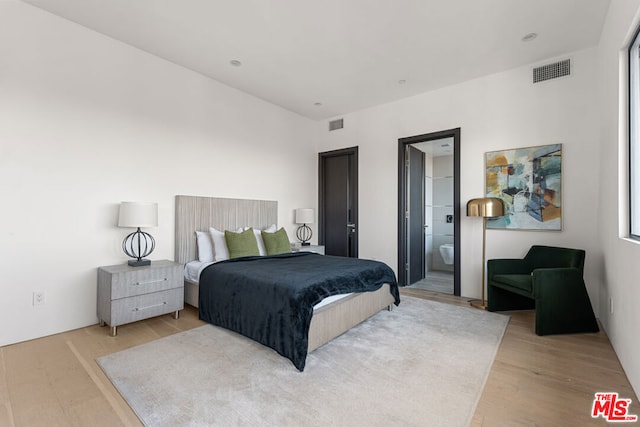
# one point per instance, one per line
(194, 213)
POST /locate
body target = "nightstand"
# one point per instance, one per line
(128, 294)
(309, 248)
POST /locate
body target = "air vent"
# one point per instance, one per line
(336, 124)
(552, 71)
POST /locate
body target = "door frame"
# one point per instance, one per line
(353, 175)
(402, 201)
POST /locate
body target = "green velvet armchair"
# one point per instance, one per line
(549, 279)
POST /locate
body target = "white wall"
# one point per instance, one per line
(87, 122)
(500, 111)
(621, 268)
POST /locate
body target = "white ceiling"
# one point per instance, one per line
(345, 54)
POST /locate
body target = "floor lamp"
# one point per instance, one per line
(488, 207)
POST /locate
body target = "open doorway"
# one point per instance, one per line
(428, 208)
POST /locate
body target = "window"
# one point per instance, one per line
(634, 137)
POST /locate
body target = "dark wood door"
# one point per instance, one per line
(415, 221)
(338, 204)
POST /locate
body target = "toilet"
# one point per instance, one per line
(446, 251)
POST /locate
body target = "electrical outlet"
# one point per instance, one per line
(39, 298)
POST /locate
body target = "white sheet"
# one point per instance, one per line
(193, 269)
(329, 300)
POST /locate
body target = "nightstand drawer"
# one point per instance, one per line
(127, 294)
(144, 281)
(144, 306)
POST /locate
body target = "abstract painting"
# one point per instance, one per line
(529, 182)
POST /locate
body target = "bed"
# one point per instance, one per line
(332, 317)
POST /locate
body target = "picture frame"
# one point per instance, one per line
(529, 182)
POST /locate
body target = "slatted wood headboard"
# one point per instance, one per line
(194, 213)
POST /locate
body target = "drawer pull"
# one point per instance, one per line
(149, 306)
(150, 282)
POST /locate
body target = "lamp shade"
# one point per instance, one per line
(304, 216)
(487, 207)
(138, 214)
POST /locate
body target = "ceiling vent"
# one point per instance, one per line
(552, 71)
(336, 124)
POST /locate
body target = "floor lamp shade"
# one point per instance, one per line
(304, 216)
(138, 244)
(487, 207)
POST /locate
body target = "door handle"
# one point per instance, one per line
(352, 227)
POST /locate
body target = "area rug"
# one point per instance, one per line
(423, 364)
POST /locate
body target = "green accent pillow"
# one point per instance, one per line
(276, 243)
(241, 244)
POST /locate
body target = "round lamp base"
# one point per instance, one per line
(479, 304)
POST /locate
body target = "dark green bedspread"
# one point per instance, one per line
(270, 299)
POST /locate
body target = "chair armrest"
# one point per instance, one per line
(507, 266)
(557, 282)
(562, 302)
(547, 280)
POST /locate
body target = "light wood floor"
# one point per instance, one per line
(535, 381)
(435, 281)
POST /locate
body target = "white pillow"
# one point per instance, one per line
(205, 246)
(270, 229)
(220, 250)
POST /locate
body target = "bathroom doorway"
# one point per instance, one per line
(428, 206)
